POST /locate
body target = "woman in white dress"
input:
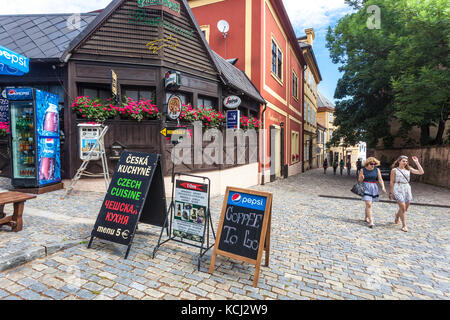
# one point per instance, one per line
(400, 189)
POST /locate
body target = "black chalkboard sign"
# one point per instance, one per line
(136, 194)
(244, 227)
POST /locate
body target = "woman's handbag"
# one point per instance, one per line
(358, 189)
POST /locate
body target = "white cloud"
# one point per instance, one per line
(50, 6)
(317, 14)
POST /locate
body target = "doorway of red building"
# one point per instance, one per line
(276, 152)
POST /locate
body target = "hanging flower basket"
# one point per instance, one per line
(96, 110)
(250, 123)
(4, 129)
(209, 117)
(93, 109)
(138, 110)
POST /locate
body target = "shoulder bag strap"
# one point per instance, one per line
(402, 174)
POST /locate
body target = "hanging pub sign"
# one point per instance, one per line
(172, 80)
(136, 194)
(232, 102)
(174, 107)
(244, 228)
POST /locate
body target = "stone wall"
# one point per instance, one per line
(434, 160)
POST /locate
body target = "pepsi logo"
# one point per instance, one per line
(12, 91)
(236, 197)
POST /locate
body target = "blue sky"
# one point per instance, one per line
(317, 14)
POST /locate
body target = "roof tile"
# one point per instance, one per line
(39, 36)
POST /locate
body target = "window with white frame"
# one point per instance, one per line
(277, 61)
(294, 85)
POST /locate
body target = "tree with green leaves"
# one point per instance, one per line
(399, 70)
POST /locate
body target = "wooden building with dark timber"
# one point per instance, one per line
(73, 55)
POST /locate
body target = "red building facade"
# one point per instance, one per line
(261, 37)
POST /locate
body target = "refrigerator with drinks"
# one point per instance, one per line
(34, 139)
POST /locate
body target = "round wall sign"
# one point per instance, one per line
(174, 107)
(232, 102)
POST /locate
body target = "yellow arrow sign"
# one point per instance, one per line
(171, 131)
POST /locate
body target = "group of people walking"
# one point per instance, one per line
(399, 187)
(341, 164)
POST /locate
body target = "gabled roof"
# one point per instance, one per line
(48, 36)
(323, 102)
(41, 36)
(237, 79)
(101, 17)
(309, 48)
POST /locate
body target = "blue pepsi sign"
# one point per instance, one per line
(14, 60)
(247, 200)
(7, 70)
(19, 94)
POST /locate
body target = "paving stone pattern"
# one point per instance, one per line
(320, 249)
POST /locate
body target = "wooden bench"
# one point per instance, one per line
(18, 199)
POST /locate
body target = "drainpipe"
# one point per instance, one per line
(263, 144)
(303, 120)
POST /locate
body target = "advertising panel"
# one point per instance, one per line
(191, 206)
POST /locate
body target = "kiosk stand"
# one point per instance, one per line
(96, 152)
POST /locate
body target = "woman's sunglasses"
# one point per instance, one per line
(372, 163)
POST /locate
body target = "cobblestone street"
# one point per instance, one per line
(320, 249)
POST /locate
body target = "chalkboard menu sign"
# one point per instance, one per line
(244, 227)
(129, 201)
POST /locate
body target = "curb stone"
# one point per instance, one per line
(14, 260)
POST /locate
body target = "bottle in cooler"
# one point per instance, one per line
(51, 118)
(48, 160)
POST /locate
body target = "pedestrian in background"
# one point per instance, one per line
(341, 165)
(358, 166)
(399, 187)
(349, 166)
(335, 165)
(325, 166)
(370, 174)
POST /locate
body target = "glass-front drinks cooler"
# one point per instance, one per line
(34, 139)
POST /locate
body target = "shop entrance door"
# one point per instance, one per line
(275, 152)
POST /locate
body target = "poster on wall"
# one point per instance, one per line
(4, 109)
(191, 206)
